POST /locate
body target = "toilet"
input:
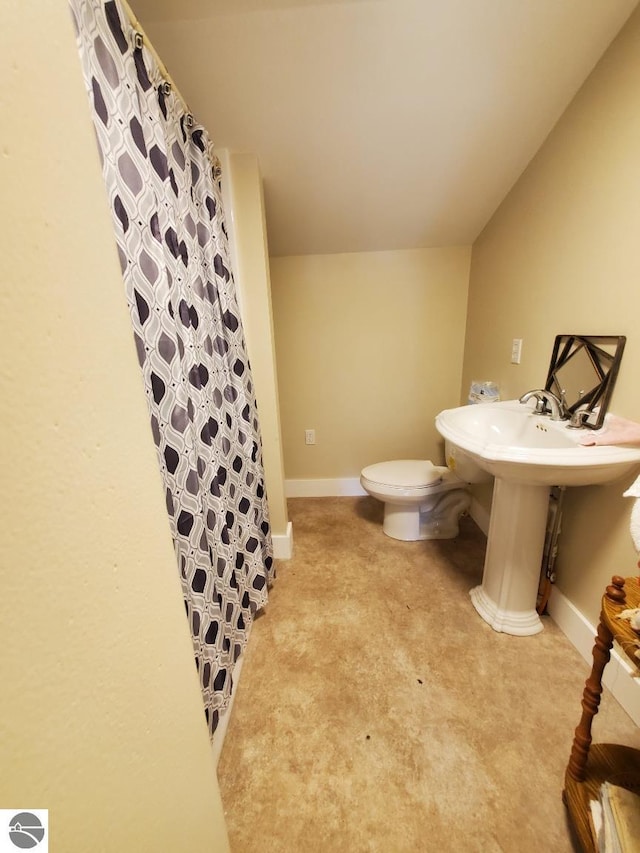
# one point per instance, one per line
(422, 500)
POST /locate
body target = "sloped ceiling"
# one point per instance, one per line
(381, 124)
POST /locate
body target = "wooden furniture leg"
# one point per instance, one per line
(593, 689)
(590, 702)
(591, 765)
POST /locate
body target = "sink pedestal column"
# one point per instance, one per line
(508, 594)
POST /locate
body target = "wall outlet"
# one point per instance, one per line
(516, 351)
(309, 436)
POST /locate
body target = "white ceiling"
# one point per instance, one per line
(381, 124)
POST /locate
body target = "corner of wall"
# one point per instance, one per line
(246, 224)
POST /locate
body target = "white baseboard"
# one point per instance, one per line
(323, 488)
(283, 544)
(350, 486)
(618, 675)
(480, 515)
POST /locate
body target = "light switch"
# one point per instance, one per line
(516, 351)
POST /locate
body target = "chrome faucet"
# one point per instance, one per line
(543, 399)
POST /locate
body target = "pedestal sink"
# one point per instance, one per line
(526, 453)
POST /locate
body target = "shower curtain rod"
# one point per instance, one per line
(135, 23)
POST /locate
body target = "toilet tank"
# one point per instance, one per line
(463, 465)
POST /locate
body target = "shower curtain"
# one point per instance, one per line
(163, 185)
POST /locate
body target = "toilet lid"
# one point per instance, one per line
(407, 473)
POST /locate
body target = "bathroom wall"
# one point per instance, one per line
(369, 348)
(244, 205)
(556, 257)
(102, 719)
(561, 256)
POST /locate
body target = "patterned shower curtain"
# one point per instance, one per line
(163, 186)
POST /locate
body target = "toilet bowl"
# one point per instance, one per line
(421, 500)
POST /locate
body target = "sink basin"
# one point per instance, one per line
(526, 453)
(509, 441)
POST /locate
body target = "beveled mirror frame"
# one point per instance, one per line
(601, 356)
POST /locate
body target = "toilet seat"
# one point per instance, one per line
(403, 474)
(421, 500)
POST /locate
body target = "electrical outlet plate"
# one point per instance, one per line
(310, 436)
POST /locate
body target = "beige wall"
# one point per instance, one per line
(369, 348)
(247, 227)
(561, 256)
(102, 719)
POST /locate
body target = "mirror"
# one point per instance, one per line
(583, 371)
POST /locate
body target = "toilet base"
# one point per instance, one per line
(411, 522)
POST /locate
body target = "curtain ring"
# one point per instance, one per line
(165, 88)
(138, 40)
(189, 120)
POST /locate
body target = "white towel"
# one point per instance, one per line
(634, 527)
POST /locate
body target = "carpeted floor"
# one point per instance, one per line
(377, 712)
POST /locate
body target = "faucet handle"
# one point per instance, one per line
(579, 417)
